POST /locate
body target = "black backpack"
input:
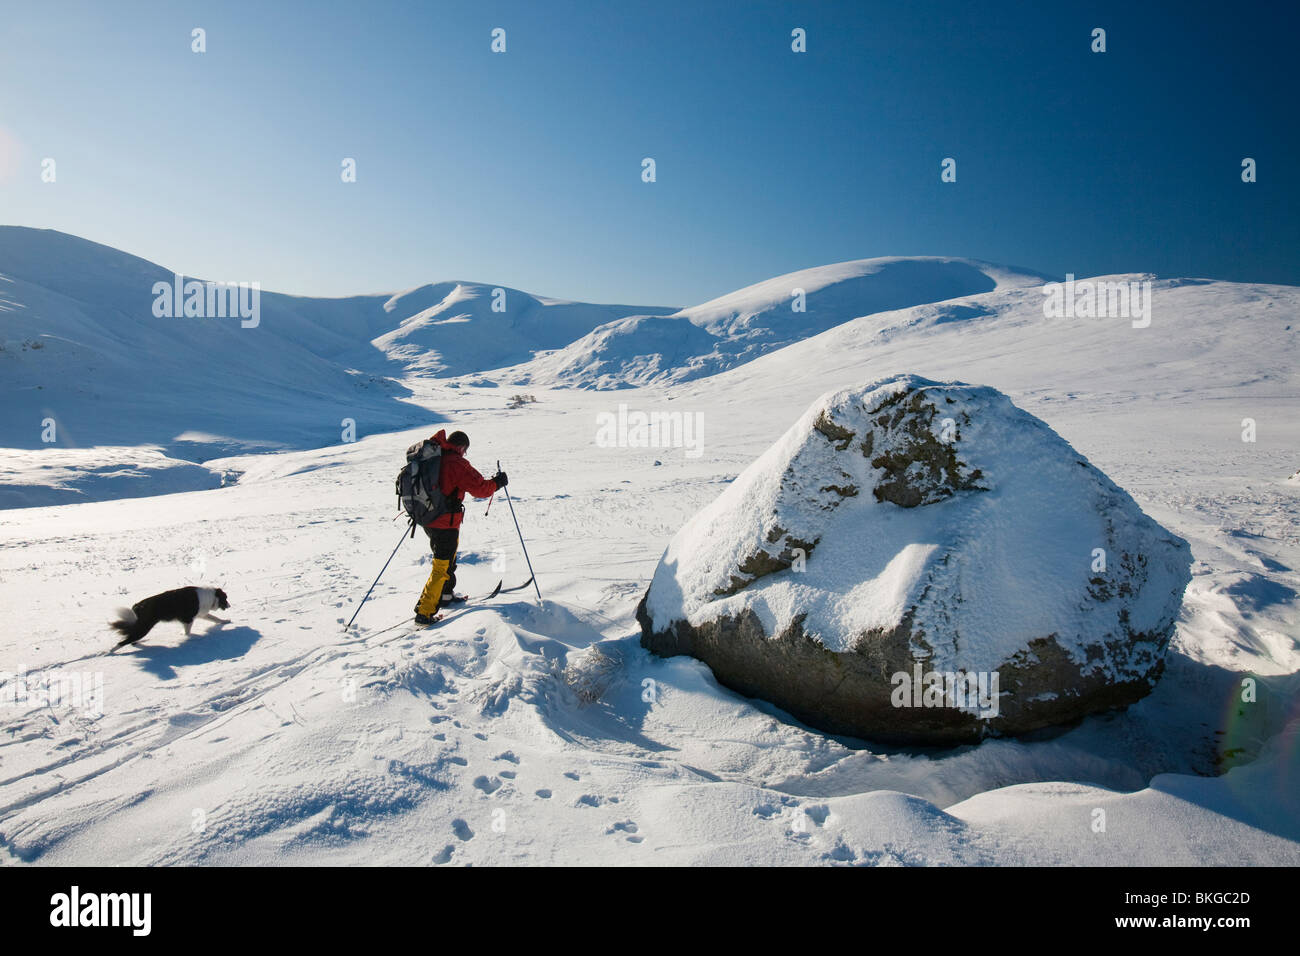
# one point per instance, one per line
(417, 484)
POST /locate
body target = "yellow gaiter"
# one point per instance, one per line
(431, 597)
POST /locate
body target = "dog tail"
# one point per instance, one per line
(129, 625)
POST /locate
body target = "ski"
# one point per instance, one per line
(391, 627)
(411, 628)
(469, 600)
(454, 607)
(443, 617)
(517, 587)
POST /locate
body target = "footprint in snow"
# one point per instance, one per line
(628, 827)
(488, 785)
(462, 830)
(840, 853)
(797, 819)
(571, 775)
(444, 855)
(544, 794)
(508, 756)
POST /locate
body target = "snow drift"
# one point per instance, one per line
(922, 562)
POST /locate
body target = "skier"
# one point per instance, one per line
(456, 479)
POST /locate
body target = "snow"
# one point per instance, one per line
(1000, 566)
(81, 346)
(738, 327)
(505, 738)
(56, 475)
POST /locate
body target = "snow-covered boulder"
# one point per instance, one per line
(922, 562)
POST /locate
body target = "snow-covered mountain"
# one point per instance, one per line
(136, 398)
(83, 345)
(547, 734)
(452, 329)
(737, 328)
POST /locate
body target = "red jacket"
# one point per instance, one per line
(457, 478)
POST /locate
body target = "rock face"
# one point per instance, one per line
(922, 562)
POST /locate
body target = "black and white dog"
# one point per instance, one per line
(182, 604)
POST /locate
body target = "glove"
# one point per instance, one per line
(500, 479)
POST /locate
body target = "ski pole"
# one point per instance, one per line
(381, 573)
(521, 542)
(494, 497)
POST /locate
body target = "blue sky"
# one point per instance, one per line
(524, 168)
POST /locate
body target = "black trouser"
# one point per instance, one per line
(443, 542)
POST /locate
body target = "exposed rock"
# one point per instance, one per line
(989, 556)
